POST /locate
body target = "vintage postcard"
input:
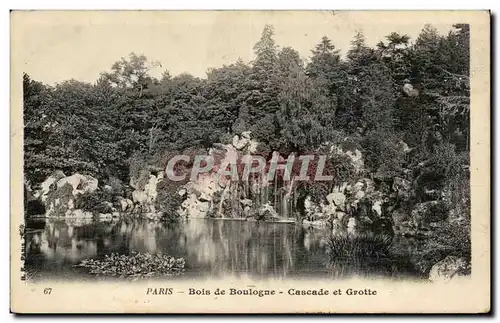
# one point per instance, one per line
(250, 162)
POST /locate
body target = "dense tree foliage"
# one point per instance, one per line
(399, 91)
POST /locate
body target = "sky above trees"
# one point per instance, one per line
(81, 46)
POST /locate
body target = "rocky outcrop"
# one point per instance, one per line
(449, 268)
(126, 205)
(354, 155)
(194, 208)
(79, 197)
(212, 195)
(409, 90)
(337, 199)
(353, 207)
(144, 199)
(79, 183)
(60, 198)
(359, 201)
(244, 143)
(267, 212)
(45, 186)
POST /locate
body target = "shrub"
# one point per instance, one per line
(94, 201)
(446, 161)
(437, 213)
(383, 153)
(168, 199)
(340, 166)
(139, 173)
(116, 186)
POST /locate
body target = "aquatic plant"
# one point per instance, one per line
(135, 265)
(362, 253)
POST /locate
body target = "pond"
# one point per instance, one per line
(212, 248)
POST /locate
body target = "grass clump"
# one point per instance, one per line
(362, 254)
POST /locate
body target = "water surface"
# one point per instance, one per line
(211, 247)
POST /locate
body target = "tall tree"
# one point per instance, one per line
(263, 87)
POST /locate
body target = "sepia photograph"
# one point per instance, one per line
(169, 150)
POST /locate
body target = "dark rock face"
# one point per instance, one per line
(35, 207)
(32, 205)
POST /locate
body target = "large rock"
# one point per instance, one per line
(449, 268)
(352, 225)
(246, 134)
(377, 207)
(139, 197)
(194, 208)
(359, 195)
(125, 204)
(146, 197)
(45, 186)
(252, 146)
(328, 209)
(150, 188)
(80, 183)
(337, 199)
(204, 187)
(409, 90)
(267, 211)
(240, 143)
(340, 215)
(60, 200)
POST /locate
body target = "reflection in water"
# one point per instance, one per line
(210, 247)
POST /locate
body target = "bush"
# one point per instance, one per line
(116, 186)
(139, 173)
(94, 201)
(447, 162)
(383, 153)
(362, 246)
(437, 213)
(168, 199)
(340, 166)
